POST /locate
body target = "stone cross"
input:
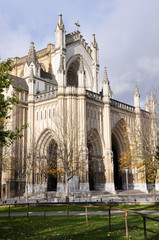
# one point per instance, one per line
(77, 25)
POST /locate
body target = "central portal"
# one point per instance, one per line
(52, 165)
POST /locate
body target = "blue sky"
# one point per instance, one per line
(127, 32)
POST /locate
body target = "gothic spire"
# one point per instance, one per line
(31, 55)
(152, 95)
(94, 42)
(60, 22)
(137, 99)
(106, 87)
(137, 94)
(105, 79)
(60, 34)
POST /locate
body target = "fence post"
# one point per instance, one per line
(86, 216)
(9, 211)
(126, 224)
(44, 211)
(67, 212)
(27, 210)
(109, 219)
(144, 222)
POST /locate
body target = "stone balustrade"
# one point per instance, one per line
(94, 96)
(46, 95)
(121, 105)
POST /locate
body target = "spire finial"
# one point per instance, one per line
(94, 42)
(60, 19)
(32, 54)
(136, 90)
(93, 38)
(60, 22)
(105, 80)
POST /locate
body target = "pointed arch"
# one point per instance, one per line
(43, 140)
(95, 161)
(118, 133)
(118, 146)
(72, 72)
(96, 141)
(89, 77)
(47, 146)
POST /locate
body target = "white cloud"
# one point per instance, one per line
(128, 41)
(149, 65)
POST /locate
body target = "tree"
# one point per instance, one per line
(69, 153)
(7, 136)
(141, 149)
(36, 167)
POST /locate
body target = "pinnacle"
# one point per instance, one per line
(31, 55)
(147, 99)
(137, 90)
(105, 80)
(60, 19)
(94, 43)
(152, 95)
(60, 22)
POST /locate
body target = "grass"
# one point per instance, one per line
(4, 209)
(76, 228)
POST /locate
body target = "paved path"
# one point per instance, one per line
(76, 213)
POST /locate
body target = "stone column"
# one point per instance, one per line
(139, 179)
(108, 154)
(83, 157)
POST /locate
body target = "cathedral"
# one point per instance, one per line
(74, 128)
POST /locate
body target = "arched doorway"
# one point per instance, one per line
(95, 161)
(91, 167)
(118, 178)
(52, 165)
(118, 146)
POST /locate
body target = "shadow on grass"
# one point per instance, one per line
(76, 228)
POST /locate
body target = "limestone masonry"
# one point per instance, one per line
(60, 98)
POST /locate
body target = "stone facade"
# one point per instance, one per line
(60, 89)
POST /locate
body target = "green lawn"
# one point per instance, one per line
(76, 228)
(78, 208)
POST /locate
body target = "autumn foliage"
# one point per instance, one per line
(141, 152)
